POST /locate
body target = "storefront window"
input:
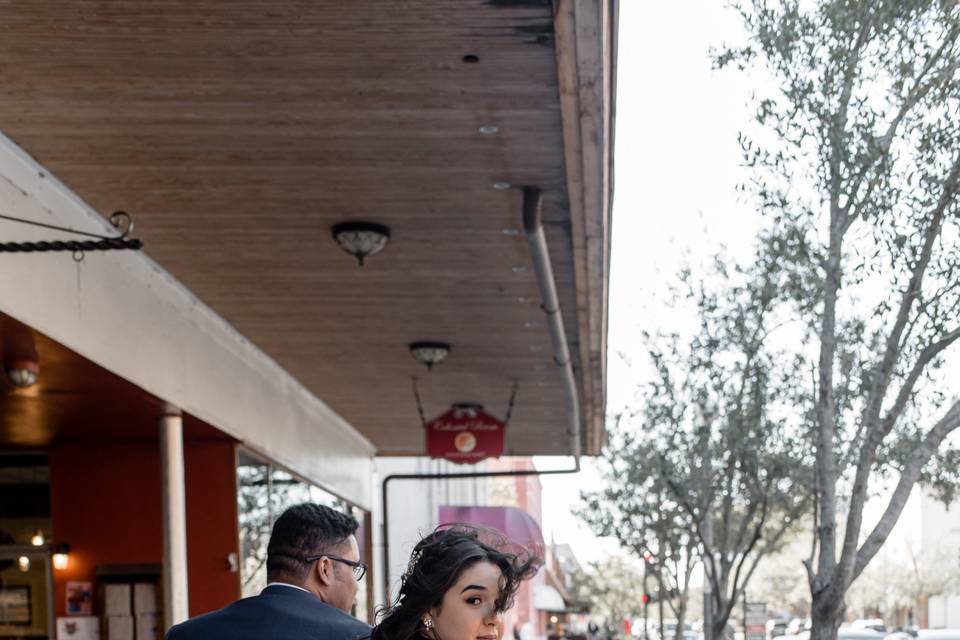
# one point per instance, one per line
(25, 574)
(264, 492)
(256, 517)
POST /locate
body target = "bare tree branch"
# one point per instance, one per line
(908, 478)
(930, 352)
(917, 92)
(882, 376)
(839, 123)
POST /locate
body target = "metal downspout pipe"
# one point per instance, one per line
(550, 304)
(537, 240)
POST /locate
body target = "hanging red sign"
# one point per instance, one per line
(465, 434)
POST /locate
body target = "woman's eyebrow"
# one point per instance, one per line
(474, 586)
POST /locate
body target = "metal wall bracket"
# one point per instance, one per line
(121, 220)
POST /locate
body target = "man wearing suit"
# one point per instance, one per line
(313, 570)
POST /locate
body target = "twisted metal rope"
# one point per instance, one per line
(121, 220)
(70, 245)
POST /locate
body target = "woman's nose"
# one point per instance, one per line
(493, 617)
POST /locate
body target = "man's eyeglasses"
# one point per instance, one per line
(359, 569)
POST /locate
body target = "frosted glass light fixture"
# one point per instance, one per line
(22, 372)
(361, 239)
(429, 352)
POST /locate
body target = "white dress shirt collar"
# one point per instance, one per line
(285, 584)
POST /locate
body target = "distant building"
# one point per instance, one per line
(940, 530)
(921, 553)
(543, 607)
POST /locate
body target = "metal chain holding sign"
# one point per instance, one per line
(121, 220)
(416, 394)
(513, 398)
(423, 418)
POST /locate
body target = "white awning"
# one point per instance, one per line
(122, 311)
(546, 598)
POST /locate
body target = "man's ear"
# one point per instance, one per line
(324, 571)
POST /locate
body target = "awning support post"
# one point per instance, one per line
(175, 600)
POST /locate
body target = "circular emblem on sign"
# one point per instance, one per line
(465, 442)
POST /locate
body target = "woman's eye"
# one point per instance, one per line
(474, 600)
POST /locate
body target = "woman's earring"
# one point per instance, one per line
(428, 623)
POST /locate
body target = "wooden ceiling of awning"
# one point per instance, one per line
(76, 401)
(238, 133)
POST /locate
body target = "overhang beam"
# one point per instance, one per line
(586, 50)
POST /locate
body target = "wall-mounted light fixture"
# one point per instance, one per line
(61, 556)
(23, 373)
(38, 538)
(429, 352)
(20, 360)
(361, 239)
(233, 562)
(23, 563)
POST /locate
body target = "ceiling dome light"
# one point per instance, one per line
(22, 373)
(361, 239)
(429, 353)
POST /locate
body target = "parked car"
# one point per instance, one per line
(797, 625)
(876, 624)
(848, 633)
(938, 634)
(776, 628)
(669, 629)
(902, 634)
(859, 634)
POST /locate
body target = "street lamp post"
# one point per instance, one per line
(646, 601)
(707, 586)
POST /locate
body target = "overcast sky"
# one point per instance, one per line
(676, 169)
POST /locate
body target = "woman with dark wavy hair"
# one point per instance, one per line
(457, 587)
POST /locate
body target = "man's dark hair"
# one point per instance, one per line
(305, 530)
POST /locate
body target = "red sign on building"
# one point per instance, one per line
(465, 434)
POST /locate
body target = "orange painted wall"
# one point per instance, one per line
(105, 503)
(212, 533)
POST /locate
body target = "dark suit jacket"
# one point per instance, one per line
(278, 613)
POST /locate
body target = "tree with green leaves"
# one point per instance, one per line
(855, 159)
(714, 463)
(639, 513)
(780, 580)
(611, 589)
